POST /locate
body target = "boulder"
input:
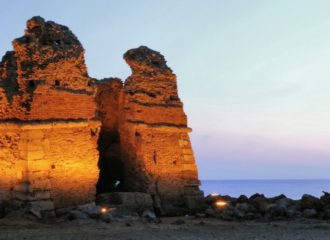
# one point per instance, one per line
(90, 209)
(126, 203)
(259, 201)
(63, 211)
(325, 198)
(76, 214)
(211, 198)
(292, 212)
(284, 202)
(276, 198)
(210, 212)
(107, 217)
(149, 215)
(226, 214)
(311, 202)
(310, 213)
(245, 207)
(239, 214)
(35, 213)
(274, 211)
(242, 199)
(256, 195)
(326, 214)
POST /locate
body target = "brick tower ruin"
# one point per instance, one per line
(65, 137)
(48, 134)
(144, 123)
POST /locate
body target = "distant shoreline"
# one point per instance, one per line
(292, 188)
(282, 179)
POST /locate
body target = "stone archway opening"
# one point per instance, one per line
(111, 166)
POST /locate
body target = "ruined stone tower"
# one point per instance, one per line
(146, 126)
(65, 137)
(48, 135)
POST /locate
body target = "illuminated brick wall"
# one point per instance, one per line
(48, 131)
(151, 125)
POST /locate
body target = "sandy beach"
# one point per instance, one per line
(170, 228)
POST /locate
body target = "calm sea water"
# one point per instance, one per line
(291, 188)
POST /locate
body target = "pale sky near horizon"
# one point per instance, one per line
(254, 76)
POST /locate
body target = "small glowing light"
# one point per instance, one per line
(104, 210)
(214, 194)
(221, 204)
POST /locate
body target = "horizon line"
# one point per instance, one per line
(269, 179)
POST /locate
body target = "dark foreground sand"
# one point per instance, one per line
(192, 228)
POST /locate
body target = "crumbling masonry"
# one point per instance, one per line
(65, 137)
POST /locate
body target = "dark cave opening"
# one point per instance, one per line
(111, 175)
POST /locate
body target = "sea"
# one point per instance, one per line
(293, 189)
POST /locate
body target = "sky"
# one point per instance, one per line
(254, 75)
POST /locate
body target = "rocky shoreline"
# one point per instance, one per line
(222, 207)
(224, 218)
(259, 207)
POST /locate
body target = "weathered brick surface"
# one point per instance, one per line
(61, 104)
(51, 143)
(48, 140)
(45, 77)
(73, 173)
(151, 125)
(8, 156)
(58, 161)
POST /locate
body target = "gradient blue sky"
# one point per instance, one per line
(254, 75)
